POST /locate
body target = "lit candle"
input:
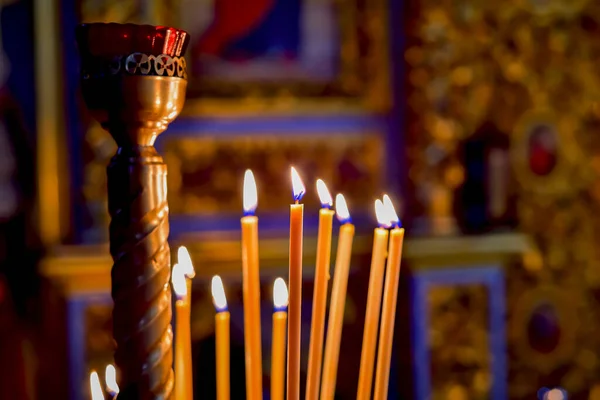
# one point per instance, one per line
(95, 386)
(367, 357)
(338, 299)
(222, 338)
(295, 282)
(184, 259)
(251, 289)
(184, 389)
(390, 296)
(280, 301)
(317, 327)
(110, 378)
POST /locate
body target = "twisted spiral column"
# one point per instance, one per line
(137, 201)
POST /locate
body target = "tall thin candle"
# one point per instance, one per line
(367, 357)
(390, 297)
(251, 290)
(280, 301)
(295, 282)
(110, 378)
(95, 387)
(184, 389)
(222, 322)
(319, 306)
(184, 259)
(338, 299)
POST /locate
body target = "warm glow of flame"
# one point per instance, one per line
(298, 187)
(324, 195)
(178, 280)
(390, 210)
(184, 259)
(341, 208)
(280, 293)
(95, 387)
(382, 216)
(110, 377)
(250, 194)
(218, 293)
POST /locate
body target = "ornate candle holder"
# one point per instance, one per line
(133, 81)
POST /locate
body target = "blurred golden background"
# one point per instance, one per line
(480, 118)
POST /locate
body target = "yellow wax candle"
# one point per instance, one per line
(388, 313)
(251, 289)
(367, 357)
(184, 259)
(280, 301)
(110, 378)
(222, 322)
(95, 387)
(338, 300)
(184, 389)
(319, 306)
(295, 282)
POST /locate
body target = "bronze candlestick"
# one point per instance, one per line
(133, 82)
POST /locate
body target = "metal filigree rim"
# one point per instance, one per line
(136, 64)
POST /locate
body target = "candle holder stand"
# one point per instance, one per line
(133, 82)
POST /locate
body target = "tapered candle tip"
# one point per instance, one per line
(184, 259)
(298, 187)
(341, 209)
(218, 294)
(382, 216)
(390, 211)
(110, 377)
(95, 386)
(250, 193)
(324, 195)
(280, 293)
(178, 280)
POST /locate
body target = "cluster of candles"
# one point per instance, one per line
(322, 369)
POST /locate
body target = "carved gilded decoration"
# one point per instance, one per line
(458, 338)
(205, 172)
(529, 67)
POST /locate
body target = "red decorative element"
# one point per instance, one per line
(542, 150)
(100, 40)
(233, 19)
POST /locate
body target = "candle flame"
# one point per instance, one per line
(382, 216)
(218, 293)
(250, 194)
(184, 259)
(110, 377)
(324, 195)
(298, 187)
(280, 293)
(95, 386)
(178, 280)
(341, 209)
(390, 210)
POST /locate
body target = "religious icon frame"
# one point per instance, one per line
(563, 305)
(361, 82)
(563, 177)
(422, 282)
